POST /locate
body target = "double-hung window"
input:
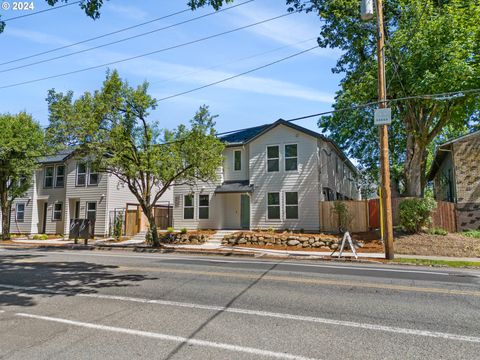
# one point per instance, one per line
(92, 176)
(273, 158)
(81, 174)
(273, 205)
(49, 171)
(20, 212)
(237, 160)
(203, 204)
(291, 205)
(291, 157)
(60, 176)
(57, 211)
(188, 209)
(92, 211)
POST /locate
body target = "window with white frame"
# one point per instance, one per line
(237, 160)
(91, 211)
(273, 158)
(60, 176)
(20, 212)
(203, 205)
(92, 176)
(273, 205)
(291, 157)
(49, 171)
(291, 205)
(188, 209)
(81, 174)
(57, 211)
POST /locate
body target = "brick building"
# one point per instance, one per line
(455, 173)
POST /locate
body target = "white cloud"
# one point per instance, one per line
(128, 12)
(35, 36)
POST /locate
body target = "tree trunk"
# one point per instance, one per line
(5, 220)
(153, 228)
(415, 167)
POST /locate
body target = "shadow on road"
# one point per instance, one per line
(54, 278)
(218, 313)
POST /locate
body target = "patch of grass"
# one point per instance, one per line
(437, 231)
(472, 233)
(40, 237)
(449, 263)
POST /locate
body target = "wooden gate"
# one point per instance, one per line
(374, 213)
(132, 222)
(444, 216)
(163, 217)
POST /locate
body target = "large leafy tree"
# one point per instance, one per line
(21, 143)
(112, 126)
(432, 46)
(90, 7)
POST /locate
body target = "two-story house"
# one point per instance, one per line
(65, 187)
(273, 176)
(455, 174)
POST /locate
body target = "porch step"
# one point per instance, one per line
(140, 236)
(219, 235)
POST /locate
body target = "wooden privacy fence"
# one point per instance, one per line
(358, 216)
(365, 215)
(136, 221)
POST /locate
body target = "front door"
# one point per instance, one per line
(245, 212)
(44, 220)
(77, 210)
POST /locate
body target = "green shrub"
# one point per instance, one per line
(40, 237)
(437, 231)
(472, 233)
(170, 230)
(118, 226)
(416, 213)
(183, 231)
(344, 218)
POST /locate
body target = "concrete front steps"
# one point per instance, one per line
(215, 241)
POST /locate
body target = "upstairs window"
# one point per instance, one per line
(203, 204)
(291, 158)
(273, 206)
(188, 210)
(57, 212)
(49, 170)
(273, 158)
(92, 176)
(81, 174)
(20, 212)
(237, 160)
(60, 176)
(291, 205)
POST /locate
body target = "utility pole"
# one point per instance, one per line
(384, 153)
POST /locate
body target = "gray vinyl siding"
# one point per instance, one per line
(31, 217)
(51, 196)
(228, 164)
(304, 180)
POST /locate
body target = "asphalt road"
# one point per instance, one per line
(122, 305)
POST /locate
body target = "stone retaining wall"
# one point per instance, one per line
(178, 238)
(300, 241)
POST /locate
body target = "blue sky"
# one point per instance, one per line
(299, 86)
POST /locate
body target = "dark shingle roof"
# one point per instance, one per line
(244, 136)
(58, 157)
(242, 186)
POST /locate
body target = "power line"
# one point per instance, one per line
(238, 75)
(125, 39)
(41, 11)
(145, 54)
(95, 38)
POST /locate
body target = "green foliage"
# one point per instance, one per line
(472, 233)
(170, 230)
(118, 226)
(21, 143)
(416, 213)
(344, 217)
(183, 231)
(40, 237)
(449, 263)
(112, 126)
(438, 231)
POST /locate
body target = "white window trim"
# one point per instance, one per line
(241, 153)
(200, 207)
(56, 175)
(285, 205)
(16, 211)
(45, 177)
(89, 171)
(279, 158)
(87, 211)
(61, 211)
(290, 157)
(77, 173)
(279, 205)
(192, 206)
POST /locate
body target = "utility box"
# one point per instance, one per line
(366, 10)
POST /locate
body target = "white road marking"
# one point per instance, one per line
(171, 338)
(163, 257)
(312, 319)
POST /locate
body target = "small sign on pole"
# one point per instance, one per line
(383, 116)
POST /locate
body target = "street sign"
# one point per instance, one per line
(383, 116)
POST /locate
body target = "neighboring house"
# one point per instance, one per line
(273, 176)
(455, 173)
(66, 187)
